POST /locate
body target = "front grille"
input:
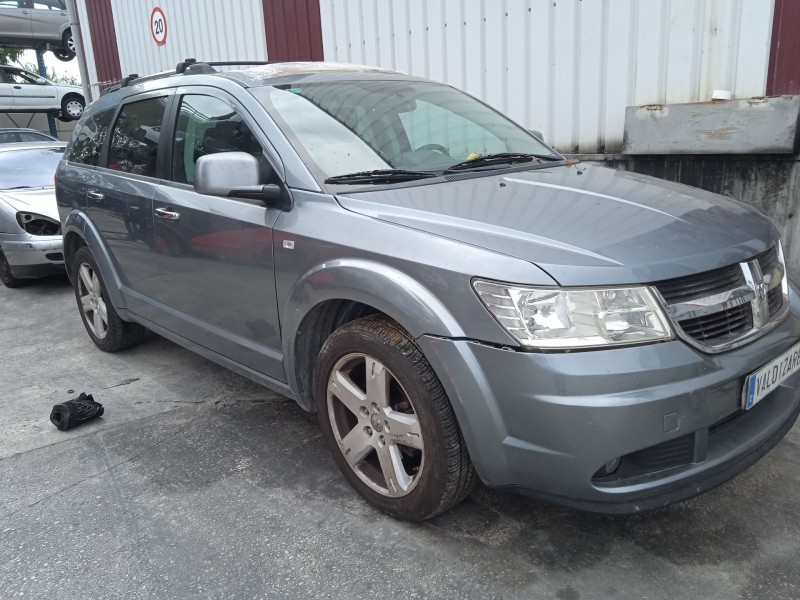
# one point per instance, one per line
(722, 324)
(775, 300)
(701, 285)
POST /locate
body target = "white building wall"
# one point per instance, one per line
(209, 30)
(566, 67)
(88, 50)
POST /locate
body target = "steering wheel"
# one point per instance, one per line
(435, 147)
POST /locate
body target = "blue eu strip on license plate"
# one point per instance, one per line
(770, 376)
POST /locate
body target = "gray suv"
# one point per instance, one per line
(454, 299)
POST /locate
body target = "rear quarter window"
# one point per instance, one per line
(88, 139)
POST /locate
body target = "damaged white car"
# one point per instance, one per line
(30, 232)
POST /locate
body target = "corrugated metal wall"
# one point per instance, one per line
(102, 55)
(784, 60)
(203, 29)
(566, 67)
(293, 29)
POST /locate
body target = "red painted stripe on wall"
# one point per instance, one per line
(104, 42)
(783, 76)
(293, 29)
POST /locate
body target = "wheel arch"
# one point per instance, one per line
(341, 291)
(79, 232)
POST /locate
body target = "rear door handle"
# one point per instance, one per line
(167, 215)
(95, 195)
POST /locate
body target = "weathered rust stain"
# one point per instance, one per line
(723, 133)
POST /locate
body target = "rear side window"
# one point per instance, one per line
(135, 137)
(87, 141)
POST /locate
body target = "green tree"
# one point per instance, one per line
(9, 55)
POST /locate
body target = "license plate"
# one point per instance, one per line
(767, 378)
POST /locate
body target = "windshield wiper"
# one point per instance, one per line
(380, 176)
(19, 187)
(500, 158)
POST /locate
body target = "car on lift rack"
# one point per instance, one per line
(37, 24)
(23, 91)
(30, 232)
(452, 297)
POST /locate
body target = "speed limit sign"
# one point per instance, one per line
(158, 26)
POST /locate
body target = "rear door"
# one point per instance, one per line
(15, 19)
(119, 193)
(214, 281)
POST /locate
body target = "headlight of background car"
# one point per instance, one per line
(581, 318)
(38, 224)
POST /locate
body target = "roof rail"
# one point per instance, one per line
(189, 66)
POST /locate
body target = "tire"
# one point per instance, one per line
(110, 334)
(72, 107)
(67, 50)
(401, 450)
(5, 273)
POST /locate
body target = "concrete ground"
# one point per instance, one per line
(198, 483)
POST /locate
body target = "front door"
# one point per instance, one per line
(215, 275)
(28, 94)
(47, 17)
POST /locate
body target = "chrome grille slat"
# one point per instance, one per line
(702, 306)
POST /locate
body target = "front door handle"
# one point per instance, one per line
(95, 195)
(167, 215)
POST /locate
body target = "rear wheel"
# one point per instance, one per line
(5, 273)
(107, 330)
(388, 422)
(72, 107)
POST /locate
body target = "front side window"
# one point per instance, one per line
(49, 4)
(352, 126)
(207, 125)
(135, 137)
(21, 77)
(88, 139)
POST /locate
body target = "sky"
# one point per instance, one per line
(67, 68)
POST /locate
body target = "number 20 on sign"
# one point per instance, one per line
(158, 26)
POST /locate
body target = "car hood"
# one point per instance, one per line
(41, 201)
(583, 224)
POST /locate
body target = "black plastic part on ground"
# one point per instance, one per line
(75, 411)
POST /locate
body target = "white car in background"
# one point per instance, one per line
(30, 232)
(23, 91)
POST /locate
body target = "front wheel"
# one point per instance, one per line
(5, 273)
(107, 330)
(388, 422)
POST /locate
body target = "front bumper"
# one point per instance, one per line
(546, 424)
(33, 256)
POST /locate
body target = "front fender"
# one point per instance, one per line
(77, 224)
(384, 288)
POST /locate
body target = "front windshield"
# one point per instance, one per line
(32, 168)
(351, 126)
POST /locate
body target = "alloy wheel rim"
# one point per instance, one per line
(93, 305)
(375, 425)
(71, 44)
(74, 108)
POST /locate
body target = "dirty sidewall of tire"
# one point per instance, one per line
(384, 341)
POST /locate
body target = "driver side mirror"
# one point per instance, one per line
(41, 81)
(537, 134)
(236, 175)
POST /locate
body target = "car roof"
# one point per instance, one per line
(22, 130)
(276, 73)
(30, 146)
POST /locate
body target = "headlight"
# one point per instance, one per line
(38, 224)
(560, 318)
